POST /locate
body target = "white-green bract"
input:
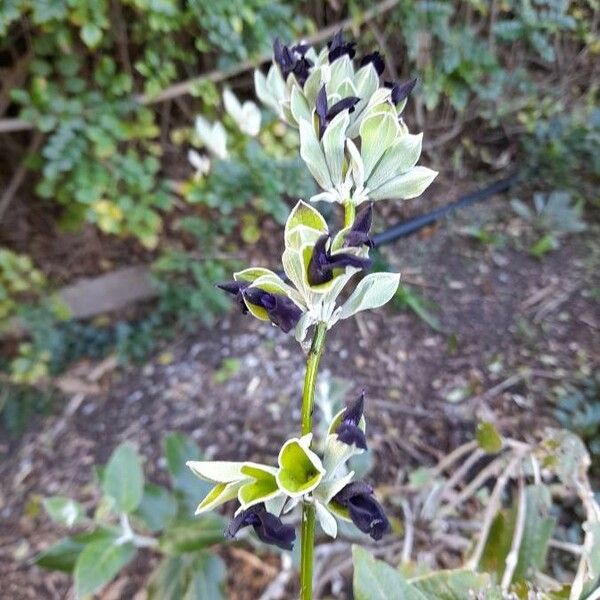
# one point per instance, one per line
(300, 476)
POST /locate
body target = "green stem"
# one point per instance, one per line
(349, 214)
(308, 510)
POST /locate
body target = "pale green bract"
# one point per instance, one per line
(300, 476)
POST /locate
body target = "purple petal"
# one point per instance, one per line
(366, 513)
(376, 60)
(341, 260)
(359, 232)
(351, 434)
(355, 488)
(338, 47)
(354, 411)
(400, 91)
(269, 528)
(322, 263)
(344, 104)
(283, 312)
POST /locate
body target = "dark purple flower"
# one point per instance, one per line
(376, 59)
(323, 263)
(282, 311)
(338, 47)
(237, 289)
(325, 114)
(348, 431)
(366, 513)
(400, 91)
(292, 60)
(267, 526)
(359, 232)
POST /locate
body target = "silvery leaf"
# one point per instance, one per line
(312, 154)
(216, 471)
(326, 520)
(341, 70)
(275, 505)
(408, 185)
(330, 197)
(401, 156)
(377, 133)
(373, 291)
(299, 105)
(333, 146)
(306, 320)
(356, 164)
(329, 487)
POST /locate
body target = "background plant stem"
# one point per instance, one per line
(308, 511)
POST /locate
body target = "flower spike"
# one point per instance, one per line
(269, 528)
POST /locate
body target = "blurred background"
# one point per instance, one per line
(128, 187)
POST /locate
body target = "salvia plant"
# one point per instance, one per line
(357, 147)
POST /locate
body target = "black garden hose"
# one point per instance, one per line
(413, 225)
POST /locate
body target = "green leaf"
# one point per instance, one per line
(488, 438)
(157, 508)
(456, 584)
(375, 580)
(178, 450)
(63, 555)
(545, 244)
(193, 535)
(60, 556)
(124, 479)
(98, 563)
(536, 534)
(208, 578)
(91, 35)
(64, 511)
(168, 579)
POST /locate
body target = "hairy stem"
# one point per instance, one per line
(308, 510)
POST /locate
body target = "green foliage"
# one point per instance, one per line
(562, 148)
(189, 569)
(536, 535)
(579, 410)
(553, 215)
(375, 580)
(100, 160)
